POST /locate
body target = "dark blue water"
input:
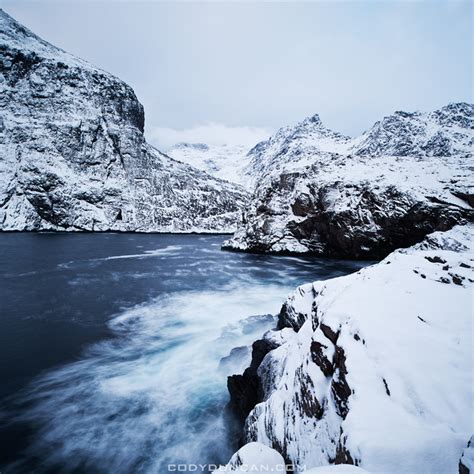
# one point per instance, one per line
(111, 346)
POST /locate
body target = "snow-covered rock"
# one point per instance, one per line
(255, 457)
(375, 368)
(223, 161)
(336, 469)
(324, 193)
(73, 155)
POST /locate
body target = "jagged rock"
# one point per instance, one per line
(320, 359)
(466, 463)
(339, 386)
(387, 346)
(290, 316)
(246, 390)
(322, 193)
(74, 157)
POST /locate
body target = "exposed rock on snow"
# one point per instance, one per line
(73, 154)
(324, 193)
(373, 369)
(466, 463)
(223, 161)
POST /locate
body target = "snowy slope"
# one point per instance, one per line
(73, 155)
(375, 368)
(223, 161)
(320, 192)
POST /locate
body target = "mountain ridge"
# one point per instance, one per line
(341, 197)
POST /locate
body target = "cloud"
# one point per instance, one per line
(211, 134)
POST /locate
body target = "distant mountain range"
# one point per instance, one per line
(222, 161)
(321, 192)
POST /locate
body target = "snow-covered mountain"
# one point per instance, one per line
(73, 155)
(293, 147)
(318, 191)
(444, 132)
(223, 161)
(373, 368)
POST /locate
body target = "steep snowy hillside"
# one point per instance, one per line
(73, 155)
(374, 368)
(223, 161)
(348, 203)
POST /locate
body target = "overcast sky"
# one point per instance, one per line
(221, 71)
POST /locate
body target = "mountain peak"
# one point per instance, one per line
(17, 37)
(443, 132)
(456, 107)
(313, 119)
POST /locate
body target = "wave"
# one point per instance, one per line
(153, 394)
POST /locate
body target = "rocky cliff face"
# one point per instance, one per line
(372, 368)
(324, 193)
(73, 155)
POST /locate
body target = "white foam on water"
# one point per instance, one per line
(152, 395)
(170, 249)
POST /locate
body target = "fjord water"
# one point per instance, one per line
(111, 346)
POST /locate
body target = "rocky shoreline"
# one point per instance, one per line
(341, 379)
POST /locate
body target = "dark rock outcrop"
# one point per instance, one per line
(246, 389)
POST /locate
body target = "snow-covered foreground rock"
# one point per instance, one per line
(73, 155)
(223, 161)
(321, 192)
(256, 457)
(373, 369)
